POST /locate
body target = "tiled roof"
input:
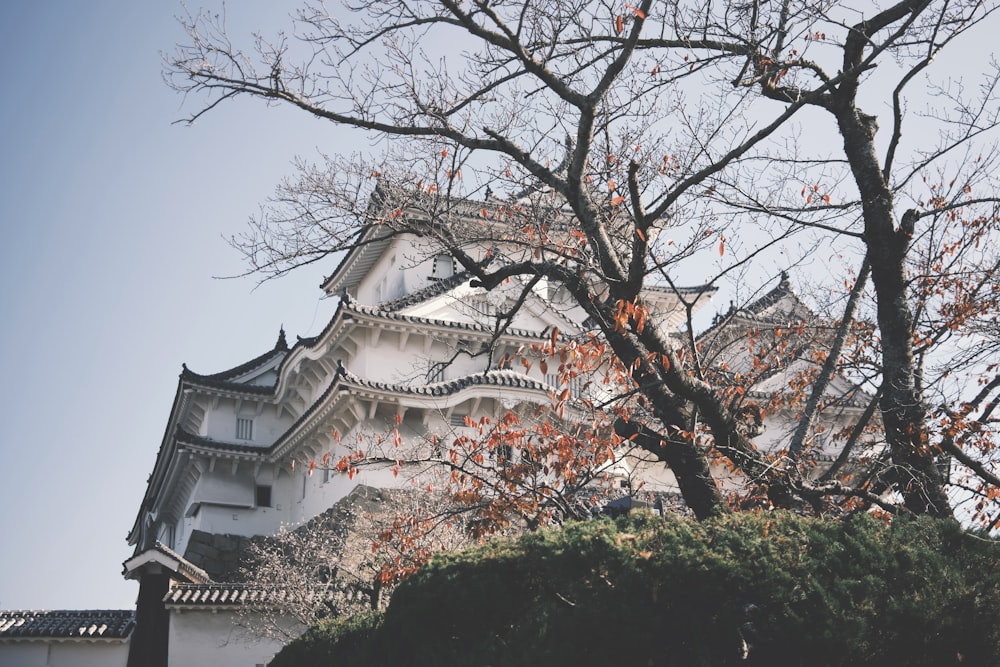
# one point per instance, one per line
(226, 377)
(756, 310)
(376, 311)
(213, 383)
(186, 438)
(708, 288)
(184, 566)
(219, 595)
(432, 290)
(781, 290)
(164, 555)
(496, 378)
(347, 307)
(90, 625)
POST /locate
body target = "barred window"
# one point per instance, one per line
(436, 372)
(244, 428)
(576, 384)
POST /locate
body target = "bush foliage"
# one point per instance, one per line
(768, 589)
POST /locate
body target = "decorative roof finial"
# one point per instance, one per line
(282, 344)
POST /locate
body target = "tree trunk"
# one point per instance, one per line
(902, 407)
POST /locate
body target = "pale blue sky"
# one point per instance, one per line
(112, 224)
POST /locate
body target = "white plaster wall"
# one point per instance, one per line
(220, 423)
(320, 495)
(63, 654)
(24, 654)
(404, 268)
(77, 654)
(237, 521)
(387, 362)
(206, 638)
(290, 507)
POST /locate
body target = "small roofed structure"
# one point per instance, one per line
(66, 638)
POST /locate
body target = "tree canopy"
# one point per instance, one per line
(615, 147)
(745, 589)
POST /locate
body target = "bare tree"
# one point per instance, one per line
(327, 567)
(635, 141)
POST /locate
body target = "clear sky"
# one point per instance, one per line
(112, 230)
(113, 224)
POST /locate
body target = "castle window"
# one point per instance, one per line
(262, 495)
(444, 267)
(436, 373)
(244, 428)
(576, 385)
(504, 453)
(168, 536)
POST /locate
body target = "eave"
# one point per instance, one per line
(159, 558)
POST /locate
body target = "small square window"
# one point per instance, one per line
(444, 267)
(244, 428)
(262, 497)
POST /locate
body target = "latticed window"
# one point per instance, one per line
(436, 373)
(575, 384)
(262, 495)
(244, 428)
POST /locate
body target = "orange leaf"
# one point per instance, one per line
(640, 234)
(611, 185)
(826, 198)
(619, 24)
(722, 247)
(617, 200)
(444, 153)
(638, 12)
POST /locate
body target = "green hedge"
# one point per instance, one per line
(647, 591)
